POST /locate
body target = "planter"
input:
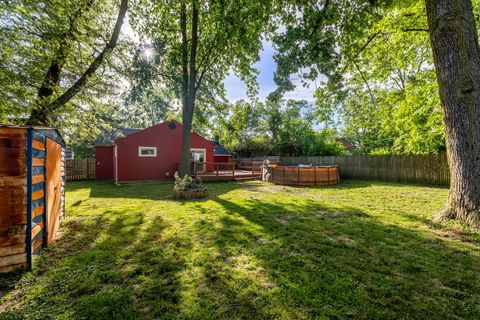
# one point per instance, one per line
(191, 194)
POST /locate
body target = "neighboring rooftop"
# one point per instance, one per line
(107, 137)
(219, 150)
(349, 147)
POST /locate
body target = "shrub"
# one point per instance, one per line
(187, 183)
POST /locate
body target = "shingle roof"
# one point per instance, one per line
(109, 136)
(220, 150)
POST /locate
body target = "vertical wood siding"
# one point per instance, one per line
(425, 169)
(79, 169)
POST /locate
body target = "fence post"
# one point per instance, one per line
(395, 168)
(88, 169)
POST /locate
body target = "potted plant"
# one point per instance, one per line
(188, 187)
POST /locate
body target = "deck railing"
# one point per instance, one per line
(223, 170)
(215, 168)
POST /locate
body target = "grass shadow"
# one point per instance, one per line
(342, 263)
(111, 266)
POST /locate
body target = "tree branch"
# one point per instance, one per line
(70, 93)
(414, 30)
(369, 40)
(199, 81)
(366, 82)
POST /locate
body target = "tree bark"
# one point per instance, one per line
(41, 116)
(189, 96)
(52, 78)
(456, 53)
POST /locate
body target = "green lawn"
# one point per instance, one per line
(360, 250)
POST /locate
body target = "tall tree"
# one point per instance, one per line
(45, 106)
(46, 47)
(456, 53)
(205, 40)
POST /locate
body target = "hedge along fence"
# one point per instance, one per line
(81, 169)
(427, 169)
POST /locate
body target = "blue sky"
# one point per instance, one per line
(237, 90)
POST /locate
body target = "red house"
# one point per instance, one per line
(149, 154)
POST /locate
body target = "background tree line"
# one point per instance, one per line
(380, 89)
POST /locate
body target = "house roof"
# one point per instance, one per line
(109, 136)
(219, 150)
(350, 147)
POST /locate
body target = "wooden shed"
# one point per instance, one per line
(32, 192)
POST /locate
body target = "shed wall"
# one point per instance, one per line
(13, 200)
(31, 183)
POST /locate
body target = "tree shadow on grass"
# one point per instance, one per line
(115, 266)
(150, 191)
(309, 260)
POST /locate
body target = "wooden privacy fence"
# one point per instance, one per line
(428, 169)
(81, 169)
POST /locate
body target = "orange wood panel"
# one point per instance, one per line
(10, 219)
(13, 166)
(18, 152)
(13, 267)
(37, 211)
(13, 133)
(38, 145)
(13, 143)
(38, 162)
(37, 244)
(13, 181)
(38, 195)
(13, 260)
(37, 229)
(54, 190)
(6, 200)
(12, 235)
(12, 249)
(38, 178)
(13, 209)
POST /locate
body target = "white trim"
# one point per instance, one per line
(203, 150)
(140, 149)
(116, 163)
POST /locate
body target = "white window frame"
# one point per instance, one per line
(147, 155)
(203, 150)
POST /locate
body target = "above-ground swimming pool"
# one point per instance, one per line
(305, 176)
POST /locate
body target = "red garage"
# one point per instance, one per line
(220, 154)
(149, 154)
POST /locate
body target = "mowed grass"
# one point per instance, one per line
(360, 250)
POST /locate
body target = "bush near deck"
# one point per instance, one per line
(359, 250)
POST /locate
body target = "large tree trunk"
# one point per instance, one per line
(456, 55)
(41, 116)
(189, 97)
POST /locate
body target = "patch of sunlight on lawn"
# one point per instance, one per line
(358, 250)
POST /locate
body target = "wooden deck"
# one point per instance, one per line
(224, 171)
(230, 175)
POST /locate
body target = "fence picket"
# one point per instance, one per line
(428, 169)
(80, 169)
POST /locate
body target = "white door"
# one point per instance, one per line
(197, 156)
